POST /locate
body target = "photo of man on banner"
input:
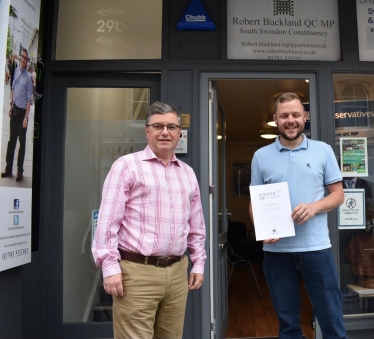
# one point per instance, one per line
(18, 97)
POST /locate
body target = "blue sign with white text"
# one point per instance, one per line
(195, 18)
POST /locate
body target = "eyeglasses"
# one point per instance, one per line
(24, 57)
(160, 127)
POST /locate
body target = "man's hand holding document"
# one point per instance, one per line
(272, 211)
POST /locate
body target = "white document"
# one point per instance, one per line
(271, 208)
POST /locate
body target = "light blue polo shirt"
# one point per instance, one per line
(307, 169)
(22, 87)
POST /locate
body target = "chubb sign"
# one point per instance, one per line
(195, 18)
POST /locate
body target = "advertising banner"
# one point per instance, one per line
(365, 29)
(17, 126)
(283, 30)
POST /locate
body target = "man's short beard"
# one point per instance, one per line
(283, 135)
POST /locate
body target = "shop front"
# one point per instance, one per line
(106, 62)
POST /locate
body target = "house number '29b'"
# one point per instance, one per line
(109, 25)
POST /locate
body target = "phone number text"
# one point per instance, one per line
(287, 57)
(14, 254)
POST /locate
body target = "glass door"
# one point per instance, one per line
(100, 119)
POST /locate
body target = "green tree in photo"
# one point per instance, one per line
(14, 16)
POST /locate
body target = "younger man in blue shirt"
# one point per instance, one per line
(308, 166)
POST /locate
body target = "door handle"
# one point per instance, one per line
(228, 214)
(223, 245)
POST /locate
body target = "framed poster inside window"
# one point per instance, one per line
(240, 177)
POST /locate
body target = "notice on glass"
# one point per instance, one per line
(272, 210)
(352, 211)
(353, 160)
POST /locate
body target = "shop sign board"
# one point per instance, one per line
(365, 29)
(110, 29)
(283, 30)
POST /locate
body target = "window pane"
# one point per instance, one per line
(354, 118)
(111, 29)
(102, 125)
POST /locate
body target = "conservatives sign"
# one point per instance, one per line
(354, 113)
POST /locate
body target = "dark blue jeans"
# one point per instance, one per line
(282, 273)
(17, 132)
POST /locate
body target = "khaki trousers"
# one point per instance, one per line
(154, 301)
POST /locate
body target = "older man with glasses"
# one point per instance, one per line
(149, 215)
(21, 98)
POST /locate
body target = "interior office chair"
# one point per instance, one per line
(239, 249)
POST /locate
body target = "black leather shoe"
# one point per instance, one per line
(19, 177)
(6, 174)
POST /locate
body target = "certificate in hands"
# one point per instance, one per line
(271, 207)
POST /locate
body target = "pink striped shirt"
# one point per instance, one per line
(150, 209)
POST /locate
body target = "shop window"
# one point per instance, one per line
(354, 137)
(112, 29)
(102, 125)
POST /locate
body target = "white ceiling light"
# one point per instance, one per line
(268, 134)
(270, 121)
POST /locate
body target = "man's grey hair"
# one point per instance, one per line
(286, 97)
(161, 108)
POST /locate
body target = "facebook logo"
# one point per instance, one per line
(16, 219)
(16, 204)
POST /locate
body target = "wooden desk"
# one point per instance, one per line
(362, 292)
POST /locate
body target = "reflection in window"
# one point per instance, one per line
(102, 124)
(354, 118)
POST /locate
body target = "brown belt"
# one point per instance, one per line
(150, 260)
